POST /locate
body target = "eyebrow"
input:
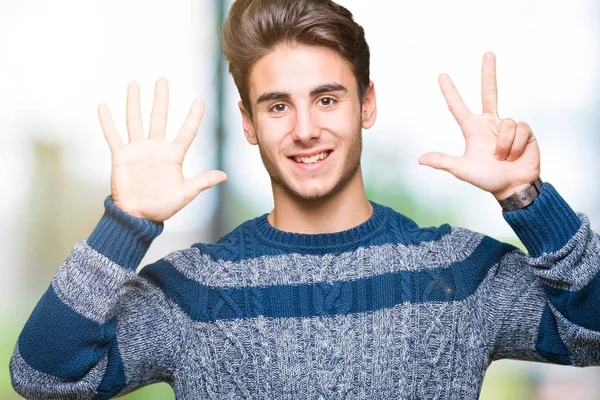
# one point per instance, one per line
(326, 88)
(270, 96)
(329, 87)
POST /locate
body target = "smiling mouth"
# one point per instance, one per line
(312, 159)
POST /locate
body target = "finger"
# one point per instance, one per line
(108, 127)
(456, 105)
(440, 161)
(489, 90)
(506, 137)
(206, 180)
(523, 136)
(188, 131)
(135, 128)
(160, 109)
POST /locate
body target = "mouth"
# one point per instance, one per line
(312, 159)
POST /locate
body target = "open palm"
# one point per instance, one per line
(147, 179)
(501, 156)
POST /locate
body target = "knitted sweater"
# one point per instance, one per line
(385, 310)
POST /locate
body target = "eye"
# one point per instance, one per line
(326, 101)
(278, 108)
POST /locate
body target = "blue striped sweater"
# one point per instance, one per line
(384, 310)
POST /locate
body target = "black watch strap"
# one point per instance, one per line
(523, 198)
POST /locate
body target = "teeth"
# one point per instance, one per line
(312, 159)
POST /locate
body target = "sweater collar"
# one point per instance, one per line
(326, 241)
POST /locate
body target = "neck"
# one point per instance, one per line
(343, 210)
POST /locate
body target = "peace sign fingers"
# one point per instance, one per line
(489, 90)
(457, 106)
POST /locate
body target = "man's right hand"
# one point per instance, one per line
(147, 179)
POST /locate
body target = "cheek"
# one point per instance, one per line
(272, 131)
(281, 126)
(340, 122)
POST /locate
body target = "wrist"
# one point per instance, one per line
(504, 194)
(547, 225)
(521, 197)
(123, 238)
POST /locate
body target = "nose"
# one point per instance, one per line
(306, 127)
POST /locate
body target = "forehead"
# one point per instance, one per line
(297, 69)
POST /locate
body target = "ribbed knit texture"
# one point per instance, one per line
(383, 310)
(540, 231)
(123, 238)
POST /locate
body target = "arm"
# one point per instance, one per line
(100, 329)
(97, 317)
(544, 306)
(541, 306)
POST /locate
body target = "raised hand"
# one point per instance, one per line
(501, 156)
(147, 179)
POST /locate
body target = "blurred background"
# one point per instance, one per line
(61, 58)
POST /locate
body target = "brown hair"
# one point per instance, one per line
(255, 27)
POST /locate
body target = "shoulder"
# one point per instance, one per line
(229, 248)
(238, 245)
(205, 263)
(408, 232)
(443, 244)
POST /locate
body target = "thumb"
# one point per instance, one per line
(440, 161)
(206, 180)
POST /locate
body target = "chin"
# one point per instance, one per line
(317, 189)
(312, 193)
(306, 194)
(316, 195)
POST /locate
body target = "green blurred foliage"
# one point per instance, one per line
(505, 383)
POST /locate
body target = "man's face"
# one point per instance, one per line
(307, 120)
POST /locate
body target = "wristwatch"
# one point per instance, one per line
(523, 198)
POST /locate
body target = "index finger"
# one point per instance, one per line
(456, 105)
(489, 90)
(188, 131)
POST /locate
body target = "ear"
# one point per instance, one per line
(248, 125)
(369, 107)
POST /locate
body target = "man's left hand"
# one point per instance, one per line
(501, 156)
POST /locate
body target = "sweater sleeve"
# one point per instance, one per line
(544, 304)
(99, 330)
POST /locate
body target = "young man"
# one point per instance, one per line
(329, 295)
